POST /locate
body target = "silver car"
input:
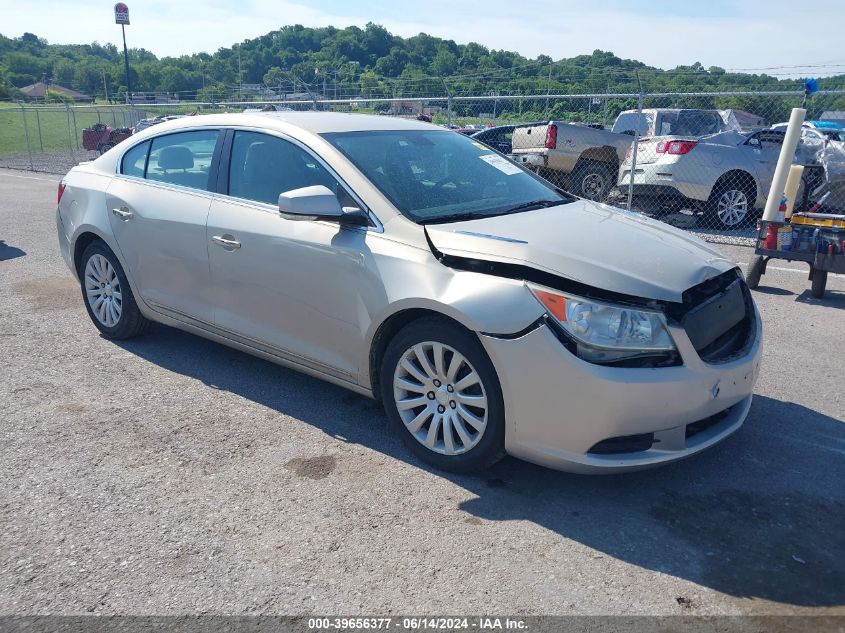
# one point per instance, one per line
(490, 312)
(727, 174)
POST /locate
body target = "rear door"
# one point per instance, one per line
(158, 207)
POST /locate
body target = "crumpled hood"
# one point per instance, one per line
(595, 244)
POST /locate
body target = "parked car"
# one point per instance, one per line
(728, 175)
(585, 160)
(143, 124)
(101, 137)
(490, 312)
(816, 130)
(499, 137)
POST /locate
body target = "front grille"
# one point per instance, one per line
(623, 444)
(718, 317)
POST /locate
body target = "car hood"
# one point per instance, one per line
(595, 244)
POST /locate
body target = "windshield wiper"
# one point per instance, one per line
(454, 217)
(533, 204)
(525, 206)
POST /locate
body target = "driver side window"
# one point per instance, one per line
(263, 166)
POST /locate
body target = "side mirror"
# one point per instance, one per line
(754, 142)
(310, 203)
(318, 202)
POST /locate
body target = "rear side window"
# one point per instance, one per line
(135, 160)
(183, 158)
(264, 166)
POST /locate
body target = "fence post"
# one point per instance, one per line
(634, 152)
(26, 134)
(38, 122)
(75, 129)
(69, 138)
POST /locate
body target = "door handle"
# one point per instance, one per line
(123, 213)
(226, 241)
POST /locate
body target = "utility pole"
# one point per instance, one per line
(121, 17)
(240, 77)
(105, 85)
(548, 89)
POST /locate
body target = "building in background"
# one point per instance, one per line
(38, 92)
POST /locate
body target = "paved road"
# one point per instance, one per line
(173, 475)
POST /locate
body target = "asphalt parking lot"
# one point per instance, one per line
(172, 475)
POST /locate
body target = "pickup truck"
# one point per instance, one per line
(585, 160)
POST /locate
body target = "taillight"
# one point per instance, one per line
(62, 186)
(551, 136)
(679, 147)
(661, 147)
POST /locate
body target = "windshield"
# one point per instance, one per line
(439, 176)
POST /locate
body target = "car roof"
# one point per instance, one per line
(310, 121)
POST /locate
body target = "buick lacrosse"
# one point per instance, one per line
(489, 311)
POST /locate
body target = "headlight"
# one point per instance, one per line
(604, 332)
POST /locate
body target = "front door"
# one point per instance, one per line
(289, 285)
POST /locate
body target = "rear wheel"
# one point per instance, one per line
(441, 393)
(731, 205)
(107, 295)
(593, 180)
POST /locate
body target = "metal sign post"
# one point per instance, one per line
(121, 17)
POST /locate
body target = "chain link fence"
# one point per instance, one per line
(699, 161)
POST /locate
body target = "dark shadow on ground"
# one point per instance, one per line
(773, 290)
(9, 252)
(760, 516)
(831, 299)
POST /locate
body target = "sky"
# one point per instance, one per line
(748, 35)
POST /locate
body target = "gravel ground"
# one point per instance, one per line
(171, 475)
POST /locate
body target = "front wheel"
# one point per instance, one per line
(107, 295)
(441, 393)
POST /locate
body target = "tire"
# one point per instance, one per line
(731, 204)
(116, 314)
(460, 396)
(755, 271)
(819, 283)
(593, 180)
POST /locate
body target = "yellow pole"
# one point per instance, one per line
(793, 181)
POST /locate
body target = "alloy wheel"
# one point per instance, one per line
(732, 207)
(440, 398)
(102, 290)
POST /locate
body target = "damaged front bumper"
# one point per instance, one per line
(572, 415)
